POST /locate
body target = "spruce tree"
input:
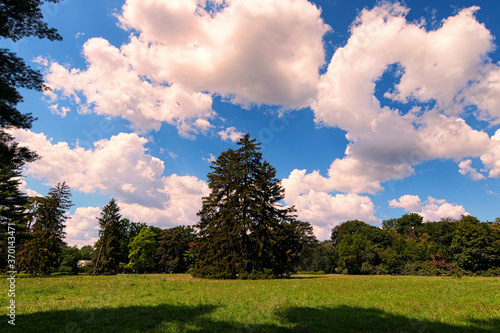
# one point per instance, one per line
(243, 227)
(109, 245)
(42, 252)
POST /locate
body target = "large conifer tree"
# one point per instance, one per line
(243, 227)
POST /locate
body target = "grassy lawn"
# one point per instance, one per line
(179, 303)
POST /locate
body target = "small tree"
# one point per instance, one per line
(143, 250)
(41, 254)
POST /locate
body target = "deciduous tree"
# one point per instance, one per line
(142, 250)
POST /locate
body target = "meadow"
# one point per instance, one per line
(323, 303)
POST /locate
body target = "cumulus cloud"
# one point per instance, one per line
(407, 202)
(82, 227)
(431, 210)
(112, 86)
(230, 133)
(185, 193)
(467, 169)
(322, 209)
(182, 52)
(485, 94)
(491, 158)
(29, 192)
(434, 66)
(119, 166)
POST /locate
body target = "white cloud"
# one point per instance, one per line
(467, 169)
(431, 210)
(407, 202)
(247, 51)
(230, 134)
(29, 192)
(323, 210)
(211, 158)
(82, 227)
(185, 194)
(111, 86)
(115, 166)
(491, 158)
(434, 65)
(485, 94)
(119, 166)
(59, 111)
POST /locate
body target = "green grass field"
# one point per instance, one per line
(328, 303)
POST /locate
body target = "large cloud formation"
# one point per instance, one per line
(442, 70)
(118, 166)
(182, 52)
(432, 210)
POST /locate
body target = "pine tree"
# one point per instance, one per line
(243, 227)
(42, 252)
(111, 233)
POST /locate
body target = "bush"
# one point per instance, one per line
(257, 275)
(312, 272)
(492, 272)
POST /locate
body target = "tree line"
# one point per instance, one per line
(243, 231)
(408, 246)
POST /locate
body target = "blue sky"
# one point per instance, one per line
(367, 109)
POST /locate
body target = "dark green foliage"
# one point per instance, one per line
(41, 253)
(129, 231)
(14, 73)
(316, 257)
(473, 247)
(243, 228)
(410, 247)
(86, 252)
(19, 19)
(406, 224)
(24, 18)
(109, 245)
(14, 204)
(176, 249)
(69, 260)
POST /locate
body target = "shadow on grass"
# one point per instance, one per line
(353, 319)
(180, 318)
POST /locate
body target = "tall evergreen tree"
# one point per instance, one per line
(42, 252)
(243, 227)
(109, 245)
(18, 19)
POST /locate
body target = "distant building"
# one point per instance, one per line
(83, 263)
